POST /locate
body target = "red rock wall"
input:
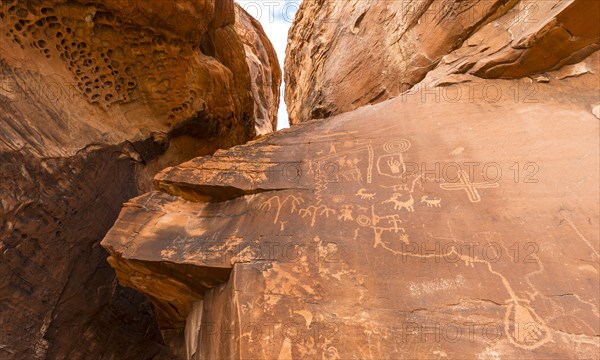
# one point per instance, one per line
(458, 219)
(428, 225)
(399, 42)
(95, 98)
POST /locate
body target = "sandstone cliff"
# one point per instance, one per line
(96, 96)
(462, 228)
(347, 54)
(458, 219)
(264, 70)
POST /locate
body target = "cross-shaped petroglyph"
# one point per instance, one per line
(465, 183)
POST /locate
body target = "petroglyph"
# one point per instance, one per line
(346, 213)
(294, 201)
(523, 327)
(433, 286)
(396, 188)
(392, 164)
(343, 162)
(313, 211)
(434, 202)
(408, 205)
(364, 195)
(465, 183)
(338, 198)
(580, 235)
(373, 221)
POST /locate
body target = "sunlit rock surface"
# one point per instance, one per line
(459, 220)
(347, 54)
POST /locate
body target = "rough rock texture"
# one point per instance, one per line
(345, 54)
(264, 69)
(95, 98)
(464, 228)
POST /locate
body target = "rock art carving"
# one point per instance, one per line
(464, 183)
(431, 202)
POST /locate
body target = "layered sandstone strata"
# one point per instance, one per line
(96, 97)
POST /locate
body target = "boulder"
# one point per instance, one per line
(96, 97)
(457, 220)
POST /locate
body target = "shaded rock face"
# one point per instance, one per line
(95, 98)
(264, 69)
(400, 41)
(456, 220)
(57, 291)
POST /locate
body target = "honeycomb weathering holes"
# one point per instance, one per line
(107, 57)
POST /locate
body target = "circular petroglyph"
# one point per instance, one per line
(396, 146)
(363, 220)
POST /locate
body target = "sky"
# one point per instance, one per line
(276, 17)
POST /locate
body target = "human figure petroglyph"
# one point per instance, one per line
(364, 195)
(395, 221)
(435, 202)
(348, 169)
(373, 221)
(346, 213)
(399, 205)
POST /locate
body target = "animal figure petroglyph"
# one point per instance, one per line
(431, 202)
(365, 195)
(399, 205)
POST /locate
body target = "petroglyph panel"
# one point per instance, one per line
(411, 236)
